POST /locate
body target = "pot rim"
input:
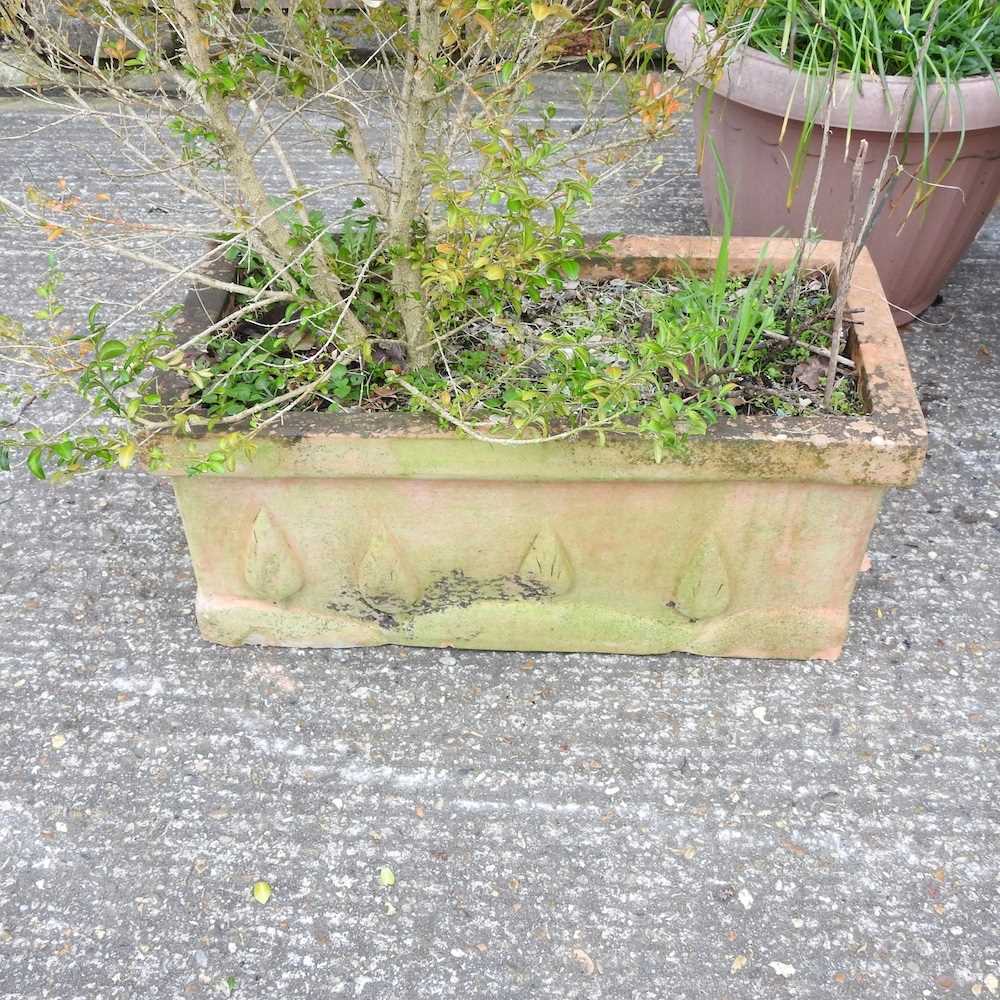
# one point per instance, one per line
(884, 446)
(759, 80)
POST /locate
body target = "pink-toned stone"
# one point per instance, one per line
(359, 529)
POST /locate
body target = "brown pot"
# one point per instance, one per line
(358, 529)
(913, 252)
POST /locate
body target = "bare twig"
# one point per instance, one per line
(835, 358)
(845, 271)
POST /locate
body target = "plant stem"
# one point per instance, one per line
(241, 166)
(417, 96)
(848, 257)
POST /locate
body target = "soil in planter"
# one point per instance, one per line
(667, 357)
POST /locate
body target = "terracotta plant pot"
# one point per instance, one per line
(914, 255)
(362, 529)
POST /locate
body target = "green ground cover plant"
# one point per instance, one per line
(874, 37)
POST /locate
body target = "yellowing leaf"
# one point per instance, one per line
(53, 232)
(119, 50)
(540, 11)
(494, 272)
(738, 963)
(261, 892)
(126, 454)
(386, 876)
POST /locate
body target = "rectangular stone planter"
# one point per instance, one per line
(353, 530)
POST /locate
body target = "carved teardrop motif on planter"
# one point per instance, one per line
(271, 569)
(384, 572)
(547, 563)
(703, 589)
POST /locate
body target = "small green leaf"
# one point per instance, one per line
(35, 466)
(111, 349)
(231, 984)
(262, 892)
(4, 459)
(386, 876)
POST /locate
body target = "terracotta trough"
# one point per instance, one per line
(361, 529)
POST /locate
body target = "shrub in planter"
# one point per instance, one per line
(443, 417)
(915, 80)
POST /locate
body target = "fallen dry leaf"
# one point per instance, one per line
(738, 963)
(810, 371)
(58, 741)
(782, 969)
(585, 962)
(794, 848)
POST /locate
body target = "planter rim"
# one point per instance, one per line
(761, 81)
(884, 446)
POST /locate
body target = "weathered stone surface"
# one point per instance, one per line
(271, 568)
(661, 816)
